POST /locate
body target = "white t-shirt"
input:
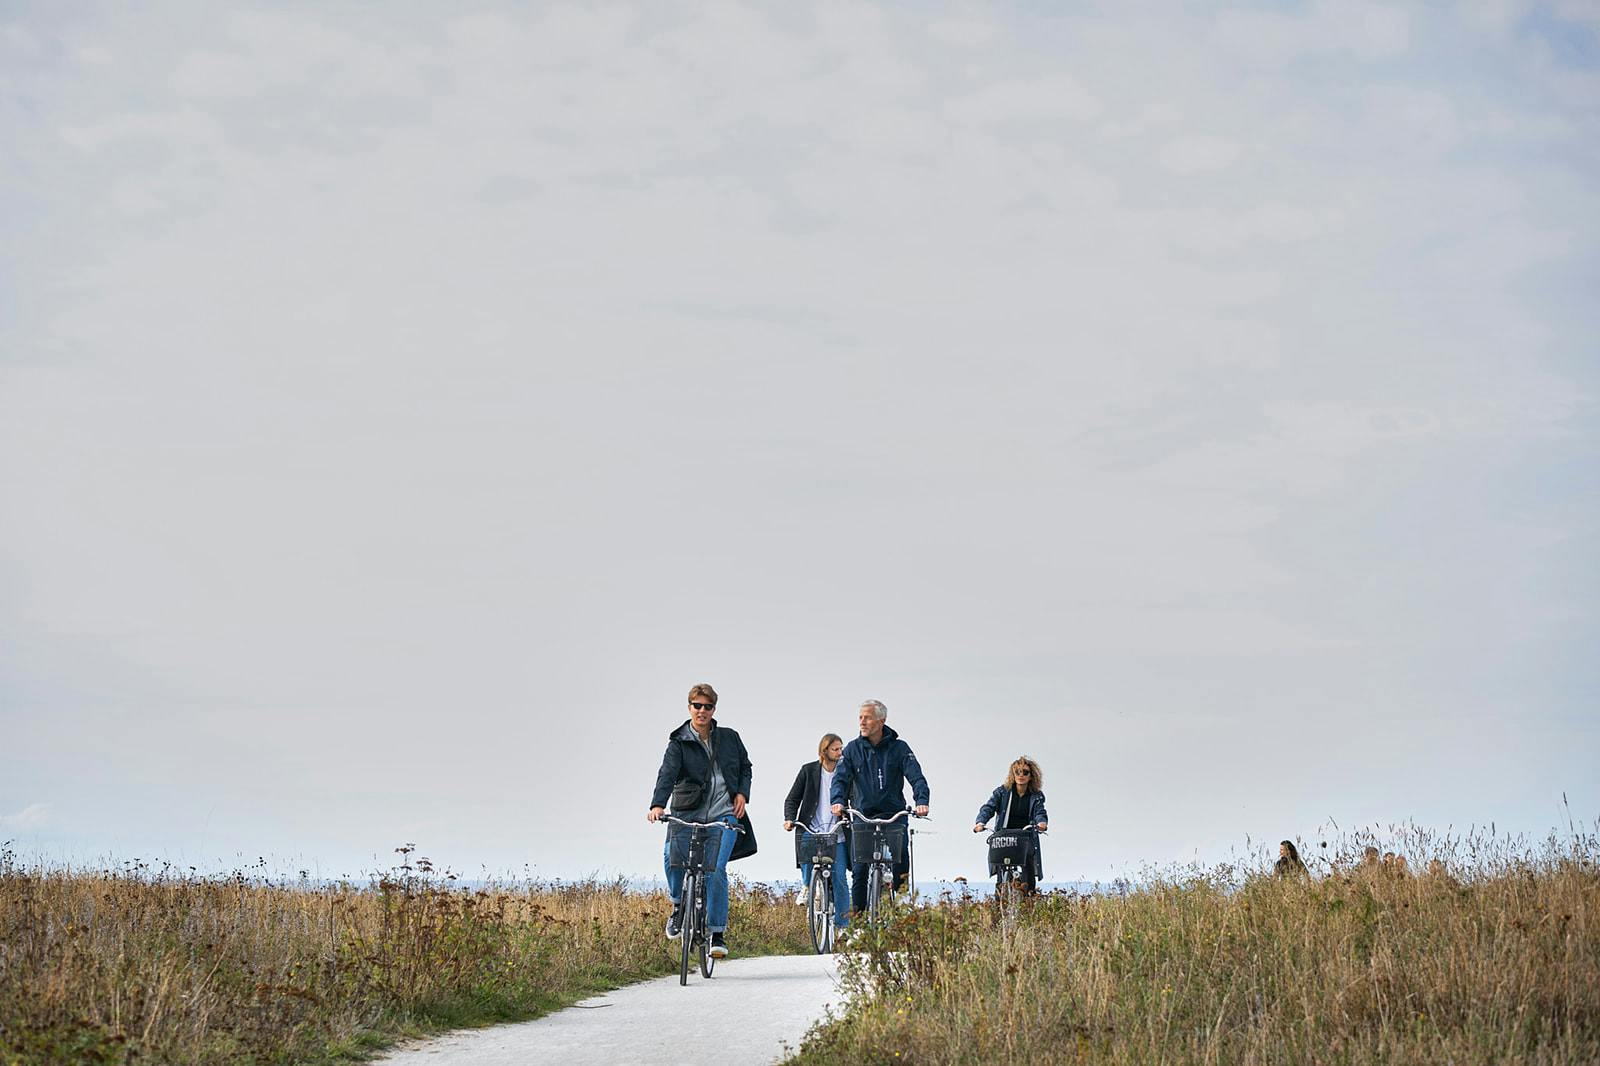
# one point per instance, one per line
(824, 820)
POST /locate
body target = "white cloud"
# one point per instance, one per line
(1581, 12)
(963, 31)
(189, 127)
(1199, 154)
(1496, 14)
(33, 816)
(1039, 99)
(1370, 31)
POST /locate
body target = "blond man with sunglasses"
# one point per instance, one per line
(705, 773)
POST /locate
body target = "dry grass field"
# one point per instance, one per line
(1492, 957)
(135, 965)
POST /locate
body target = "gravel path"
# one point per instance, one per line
(751, 1011)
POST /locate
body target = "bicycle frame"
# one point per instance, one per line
(880, 869)
(695, 934)
(819, 893)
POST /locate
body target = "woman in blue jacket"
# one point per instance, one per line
(1020, 804)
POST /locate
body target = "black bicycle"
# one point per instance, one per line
(818, 849)
(878, 842)
(1013, 854)
(687, 852)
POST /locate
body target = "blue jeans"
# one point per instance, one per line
(716, 876)
(841, 883)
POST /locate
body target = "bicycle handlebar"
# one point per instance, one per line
(702, 825)
(852, 812)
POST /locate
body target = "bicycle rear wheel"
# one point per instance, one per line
(686, 929)
(703, 935)
(817, 909)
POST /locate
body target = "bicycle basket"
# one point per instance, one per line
(866, 838)
(809, 846)
(679, 839)
(1011, 847)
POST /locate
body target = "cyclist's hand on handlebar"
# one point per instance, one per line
(921, 811)
(979, 827)
(787, 826)
(838, 810)
(655, 814)
(1044, 827)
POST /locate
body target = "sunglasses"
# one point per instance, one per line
(1023, 773)
(703, 706)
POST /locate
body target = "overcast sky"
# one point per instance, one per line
(401, 408)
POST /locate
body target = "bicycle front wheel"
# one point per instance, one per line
(703, 935)
(874, 891)
(686, 929)
(817, 909)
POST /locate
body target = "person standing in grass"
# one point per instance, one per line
(1019, 801)
(807, 805)
(872, 775)
(1289, 865)
(706, 775)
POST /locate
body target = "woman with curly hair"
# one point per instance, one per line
(1019, 802)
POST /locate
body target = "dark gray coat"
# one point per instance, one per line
(685, 774)
(685, 778)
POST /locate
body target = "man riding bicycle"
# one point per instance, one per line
(706, 774)
(872, 774)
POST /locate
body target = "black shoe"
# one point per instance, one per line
(675, 924)
(719, 950)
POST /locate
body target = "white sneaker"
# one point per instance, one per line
(800, 897)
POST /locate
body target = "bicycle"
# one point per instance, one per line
(694, 936)
(874, 841)
(818, 849)
(1012, 853)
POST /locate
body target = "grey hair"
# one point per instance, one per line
(879, 711)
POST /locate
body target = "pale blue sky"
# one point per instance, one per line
(400, 409)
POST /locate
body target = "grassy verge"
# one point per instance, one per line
(1497, 961)
(134, 965)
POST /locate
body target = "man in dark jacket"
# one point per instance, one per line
(872, 776)
(706, 775)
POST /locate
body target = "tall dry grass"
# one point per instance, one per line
(1493, 958)
(139, 965)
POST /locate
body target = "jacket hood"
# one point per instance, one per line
(888, 735)
(686, 730)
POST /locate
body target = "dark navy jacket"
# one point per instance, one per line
(1000, 804)
(877, 776)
